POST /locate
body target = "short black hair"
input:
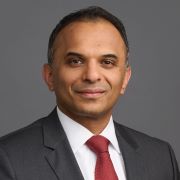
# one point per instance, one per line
(87, 14)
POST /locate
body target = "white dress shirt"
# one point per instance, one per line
(86, 159)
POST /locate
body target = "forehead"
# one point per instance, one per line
(88, 34)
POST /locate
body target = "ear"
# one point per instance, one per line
(48, 76)
(127, 77)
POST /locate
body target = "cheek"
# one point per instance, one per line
(116, 81)
(64, 80)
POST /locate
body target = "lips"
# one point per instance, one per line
(91, 93)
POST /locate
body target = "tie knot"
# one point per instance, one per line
(98, 144)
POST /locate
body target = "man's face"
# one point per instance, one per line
(89, 71)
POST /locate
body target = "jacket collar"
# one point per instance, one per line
(133, 159)
(60, 156)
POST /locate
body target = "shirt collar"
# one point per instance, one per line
(78, 134)
(109, 133)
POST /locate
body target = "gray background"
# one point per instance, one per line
(152, 101)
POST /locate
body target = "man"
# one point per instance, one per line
(88, 70)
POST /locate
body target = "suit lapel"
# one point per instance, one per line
(133, 160)
(60, 156)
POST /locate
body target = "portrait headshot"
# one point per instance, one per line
(90, 90)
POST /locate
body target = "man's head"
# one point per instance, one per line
(88, 69)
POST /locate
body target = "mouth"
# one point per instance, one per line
(91, 93)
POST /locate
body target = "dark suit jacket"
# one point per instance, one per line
(41, 151)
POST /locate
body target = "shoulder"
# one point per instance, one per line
(137, 135)
(153, 153)
(141, 140)
(23, 137)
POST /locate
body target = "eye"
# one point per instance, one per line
(108, 63)
(75, 62)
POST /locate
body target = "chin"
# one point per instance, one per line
(92, 113)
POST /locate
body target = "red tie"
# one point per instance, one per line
(104, 168)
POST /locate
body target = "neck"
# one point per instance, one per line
(96, 126)
(94, 123)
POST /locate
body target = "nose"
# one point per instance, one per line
(92, 72)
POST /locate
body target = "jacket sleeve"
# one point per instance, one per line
(176, 172)
(6, 170)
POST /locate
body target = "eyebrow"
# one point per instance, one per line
(110, 56)
(81, 56)
(74, 54)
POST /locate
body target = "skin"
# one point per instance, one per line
(88, 73)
